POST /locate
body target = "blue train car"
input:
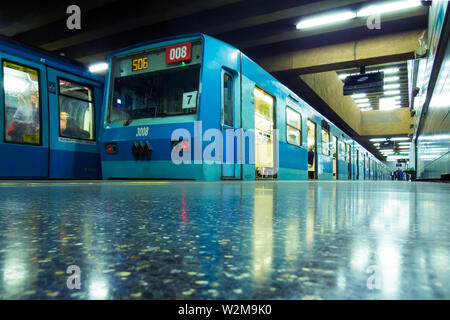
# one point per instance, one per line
(193, 107)
(49, 116)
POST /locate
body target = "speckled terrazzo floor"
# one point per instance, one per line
(225, 240)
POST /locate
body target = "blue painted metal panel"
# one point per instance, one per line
(217, 57)
(48, 159)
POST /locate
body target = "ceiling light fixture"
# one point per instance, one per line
(390, 79)
(391, 86)
(388, 7)
(325, 19)
(98, 67)
(391, 92)
(399, 139)
(390, 70)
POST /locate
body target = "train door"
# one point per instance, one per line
(74, 106)
(23, 116)
(231, 110)
(312, 150)
(335, 156)
(264, 134)
(349, 161)
(357, 164)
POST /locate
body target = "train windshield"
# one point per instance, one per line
(156, 83)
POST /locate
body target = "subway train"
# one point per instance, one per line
(193, 107)
(50, 112)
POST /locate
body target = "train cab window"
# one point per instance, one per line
(22, 107)
(156, 87)
(228, 110)
(325, 142)
(76, 110)
(293, 127)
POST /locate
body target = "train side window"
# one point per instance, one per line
(228, 110)
(348, 150)
(22, 107)
(334, 146)
(342, 151)
(76, 110)
(293, 127)
(325, 142)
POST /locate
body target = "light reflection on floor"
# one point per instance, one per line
(225, 240)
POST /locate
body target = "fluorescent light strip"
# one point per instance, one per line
(404, 143)
(362, 105)
(390, 79)
(366, 109)
(377, 139)
(391, 92)
(399, 139)
(359, 95)
(98, 67)
(326, 19)
(361, 100)
(391, 86)
(390, 70)
(388, 7)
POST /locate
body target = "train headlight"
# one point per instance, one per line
(141, 152)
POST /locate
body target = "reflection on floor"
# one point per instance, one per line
(225, 240)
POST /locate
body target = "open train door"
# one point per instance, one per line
(312, 150)
(24, 119)
(335, 157)
(265, 140)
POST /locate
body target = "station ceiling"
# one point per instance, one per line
(258, 27)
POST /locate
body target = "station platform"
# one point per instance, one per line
(225, 240)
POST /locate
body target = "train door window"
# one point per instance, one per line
(325, 142)
(264, 124)
(22, 107)
(293, 127)
(311, 140)
(76, 110)
(228, 110)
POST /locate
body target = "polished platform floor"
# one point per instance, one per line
(225, 240)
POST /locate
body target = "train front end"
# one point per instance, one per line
(153, 92)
